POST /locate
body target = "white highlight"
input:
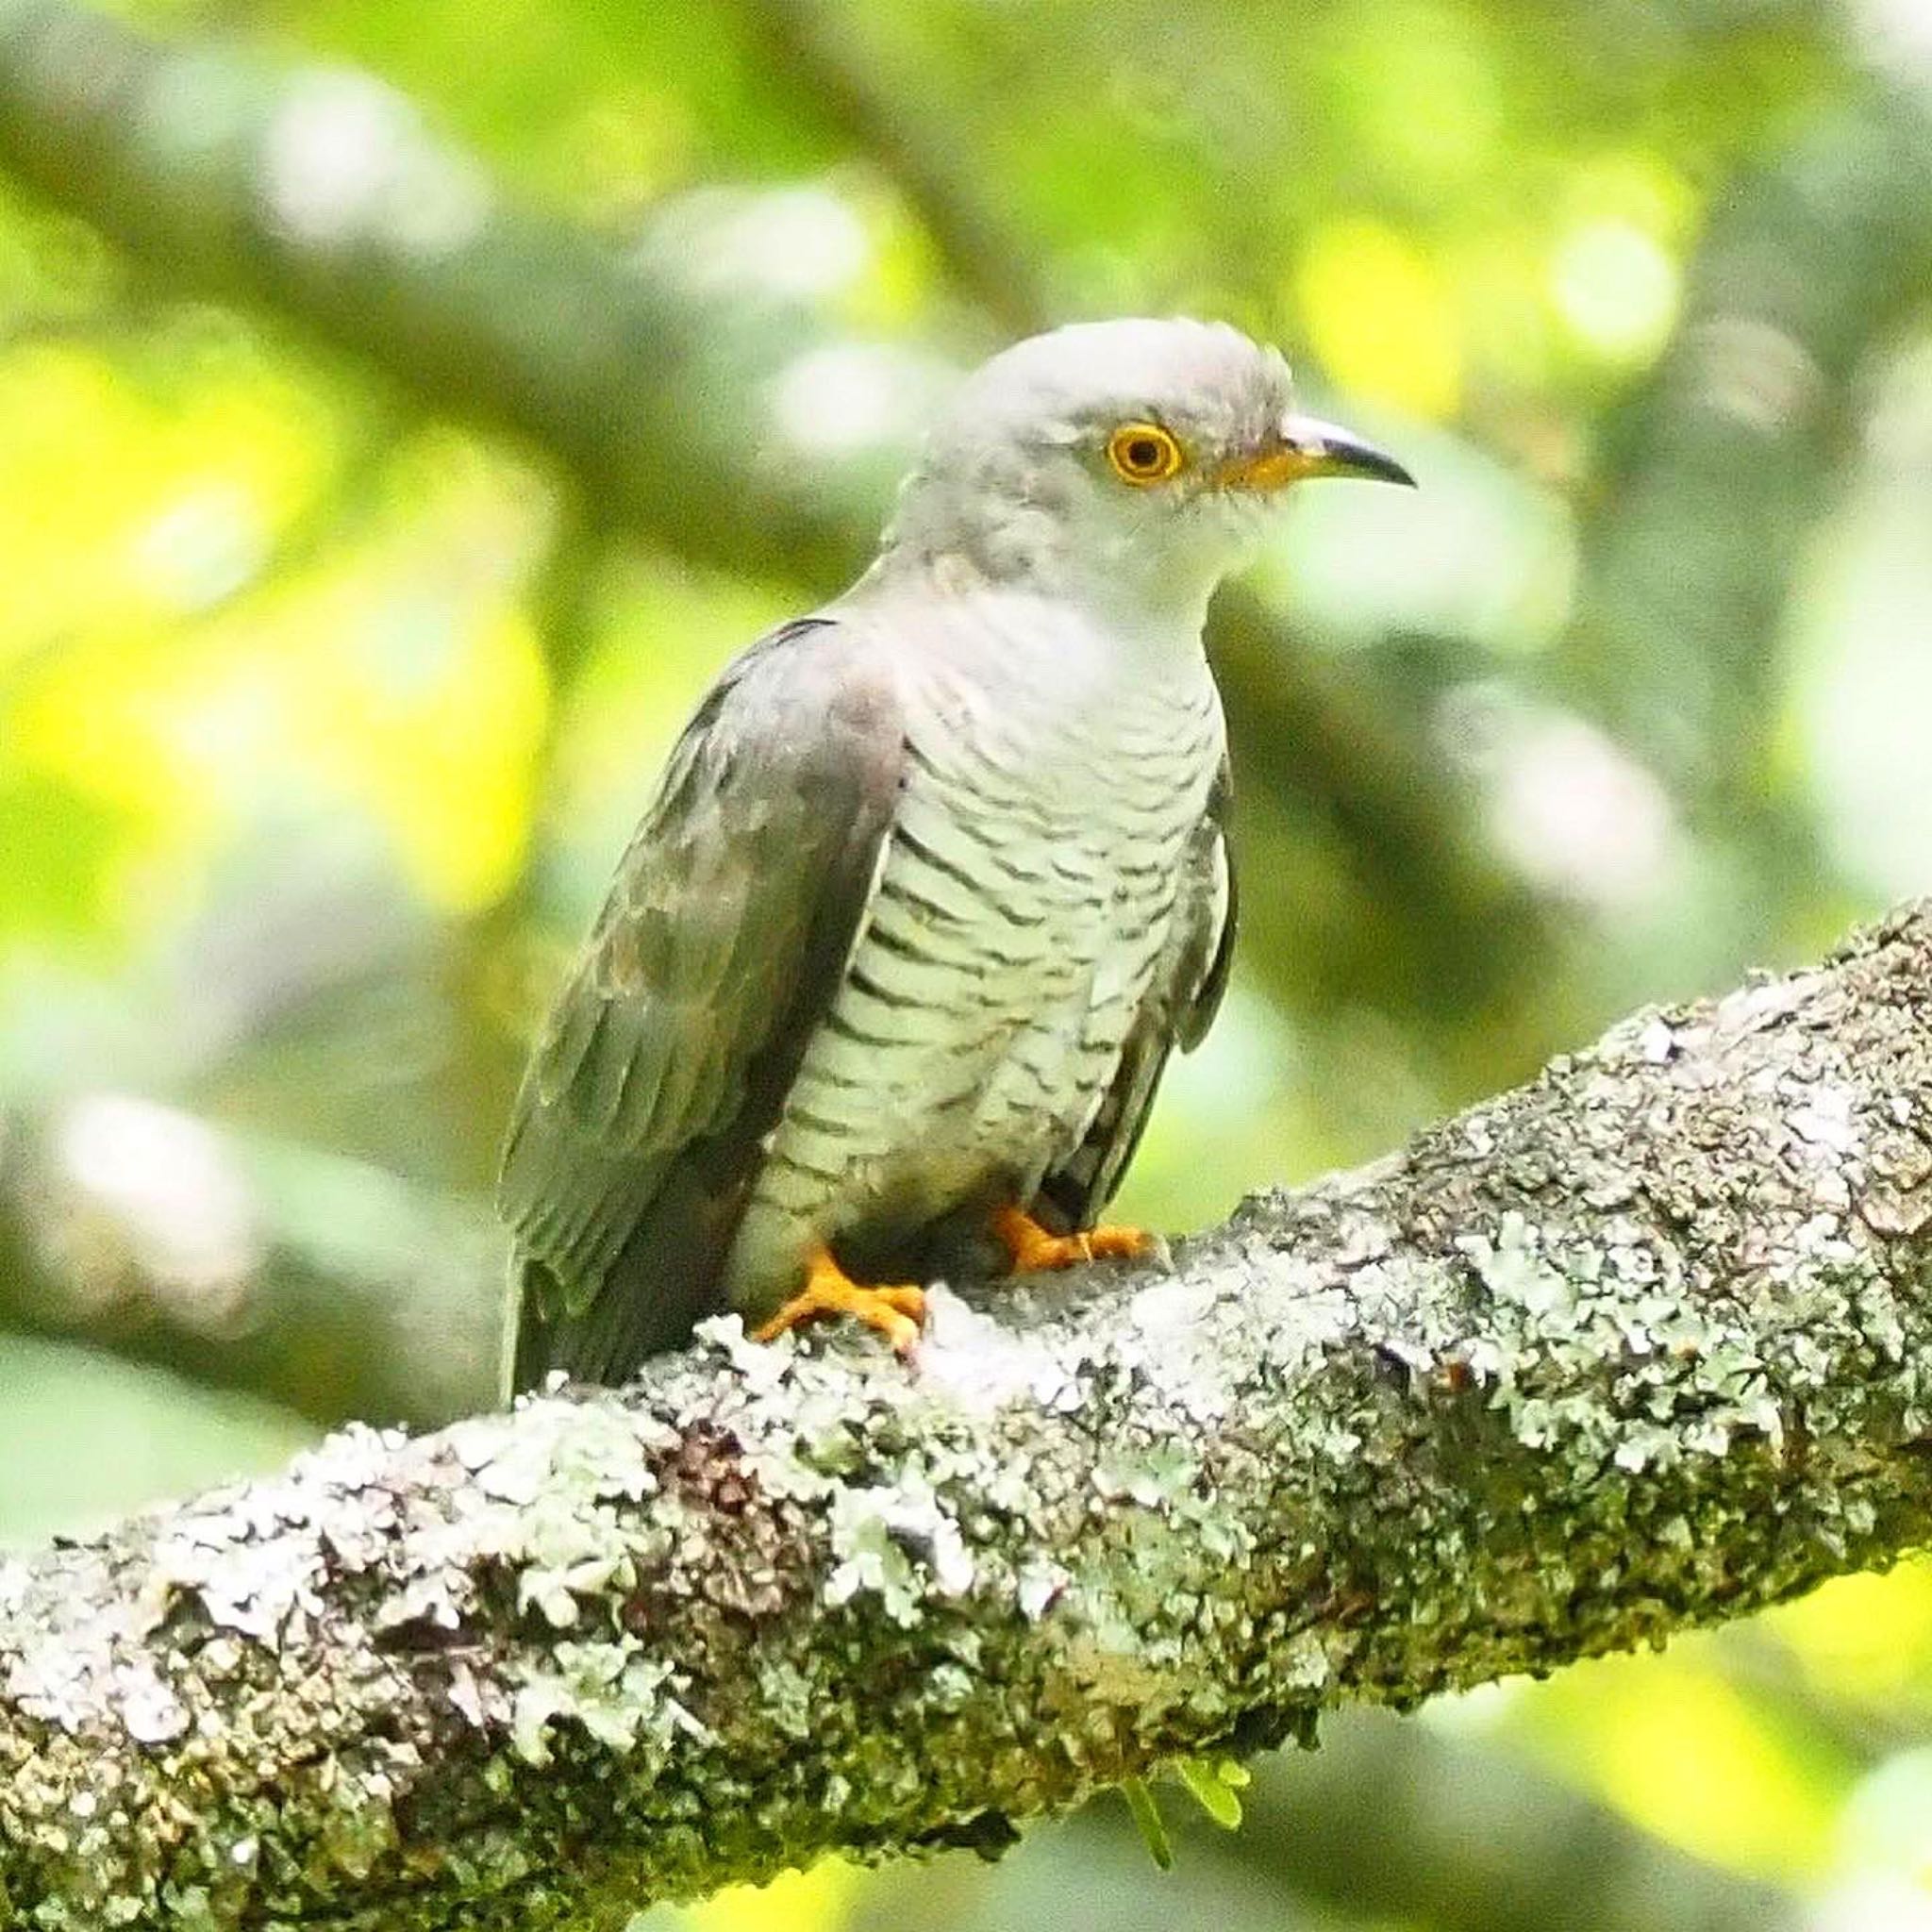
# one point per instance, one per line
(1616, 287)
(850, 395)
(172, 1191)
(1574, 811)
(347, 160)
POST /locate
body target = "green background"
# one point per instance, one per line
(406, 405)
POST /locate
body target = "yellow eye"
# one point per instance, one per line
(1143, 453)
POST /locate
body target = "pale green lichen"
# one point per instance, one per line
(1642, 1342)
(618, 1693)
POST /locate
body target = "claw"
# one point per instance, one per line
(897, 1310)
(1034, 1249)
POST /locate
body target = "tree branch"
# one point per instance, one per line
(320, 195)
(1729, 456)
(228, 177)
(316, 1281)
(1640, 1345)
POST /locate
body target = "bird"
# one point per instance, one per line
(933, 883)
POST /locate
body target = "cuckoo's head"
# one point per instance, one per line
(1136, 459)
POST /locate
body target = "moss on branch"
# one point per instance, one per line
(1640, 1345)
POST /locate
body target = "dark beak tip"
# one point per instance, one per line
(1345, 454)
(1373, 465)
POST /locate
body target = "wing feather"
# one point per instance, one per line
(636, 1135)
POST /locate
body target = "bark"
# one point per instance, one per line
(1640, 1345)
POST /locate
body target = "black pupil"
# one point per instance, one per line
(1143, 453)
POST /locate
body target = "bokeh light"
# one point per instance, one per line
(399, 435)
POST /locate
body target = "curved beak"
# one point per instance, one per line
(1306, 446)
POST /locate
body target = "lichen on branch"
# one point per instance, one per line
(1639, 1345)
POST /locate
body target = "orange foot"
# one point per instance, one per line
(895, 1312)
(1033, 1248)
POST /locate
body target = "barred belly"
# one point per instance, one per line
(1023, 904)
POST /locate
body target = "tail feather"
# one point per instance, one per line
(667, 1278)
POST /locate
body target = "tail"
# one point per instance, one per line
(667, 1278)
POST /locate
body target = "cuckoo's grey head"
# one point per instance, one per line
(1133, 460)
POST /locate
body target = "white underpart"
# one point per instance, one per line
(1026, 895)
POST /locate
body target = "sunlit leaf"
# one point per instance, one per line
(1147, 1821)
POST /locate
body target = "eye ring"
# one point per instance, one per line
(1143, 453)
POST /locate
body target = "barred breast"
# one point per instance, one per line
(1054, 777)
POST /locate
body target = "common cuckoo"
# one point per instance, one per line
(934, 881)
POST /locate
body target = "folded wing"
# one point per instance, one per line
(636, 1135)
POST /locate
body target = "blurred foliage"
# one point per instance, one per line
(405, 409)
